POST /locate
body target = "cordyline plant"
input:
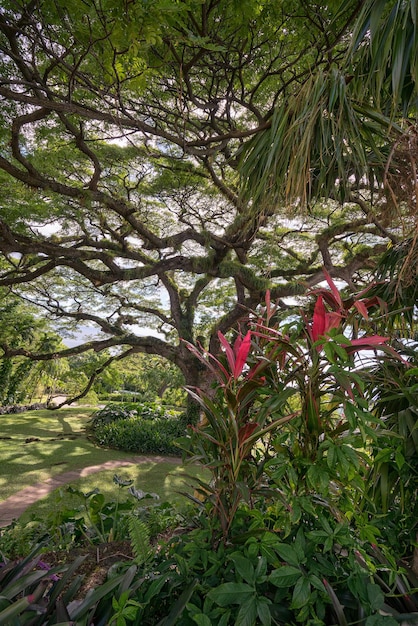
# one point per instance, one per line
(273, 380)
(237, 418)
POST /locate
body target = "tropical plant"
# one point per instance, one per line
(99, 520)
(226, 442)
(392, 481)
(34, 593)
(339, 125)
(318, 574)
(293, 392)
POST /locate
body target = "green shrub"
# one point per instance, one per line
(146, 410)
(141, 427)
(139, 435)
(112, 413)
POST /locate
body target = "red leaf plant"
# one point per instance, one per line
(277, 381)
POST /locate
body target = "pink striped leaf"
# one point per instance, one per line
(333, 288)
(318, 324)
(228, 351)
(368, 342)
(246, 431)
(361, 308)
(241, 353)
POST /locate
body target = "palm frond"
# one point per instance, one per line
(318, 143)
(385, 51)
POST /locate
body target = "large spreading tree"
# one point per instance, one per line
(164, 163)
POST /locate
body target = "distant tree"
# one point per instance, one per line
(47, 376)
(162, 164)
(153, 377)
(22, 378)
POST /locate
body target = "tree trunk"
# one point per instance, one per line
(196, 376)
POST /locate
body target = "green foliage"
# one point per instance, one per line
(20, 328)
(113, 413)
(397, 285)
(145, 410)
(320, 574)
(341, 121)
(143, 428)
(92, 519)
(31, 591)
(140, 540)
(389, 64)
(288, 398)
(90, 207)
(151, 377)
(125, 609)
(141, 436)
(289, 531)
(392, 480)
(316, 140)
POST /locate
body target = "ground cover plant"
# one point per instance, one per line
(82, 515)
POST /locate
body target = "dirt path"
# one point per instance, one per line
(14, 506)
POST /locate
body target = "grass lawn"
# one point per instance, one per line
(164, 479)
(37, 445)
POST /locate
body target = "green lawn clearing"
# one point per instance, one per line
(37, 445)
(165, 480)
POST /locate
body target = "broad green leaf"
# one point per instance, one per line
(231, 593)
(316, 582)
(247, 614)
(381, 620)
(263, 610)
(130, 612)
(375, 596)
(202, 620)
(244, 567)
(261, 568)
(287, 553)
(301, 593)
(285, 576)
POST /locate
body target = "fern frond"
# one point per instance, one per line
(140, 540)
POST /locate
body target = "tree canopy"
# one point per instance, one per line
(163, 164)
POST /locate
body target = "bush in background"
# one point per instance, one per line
(145, 428)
